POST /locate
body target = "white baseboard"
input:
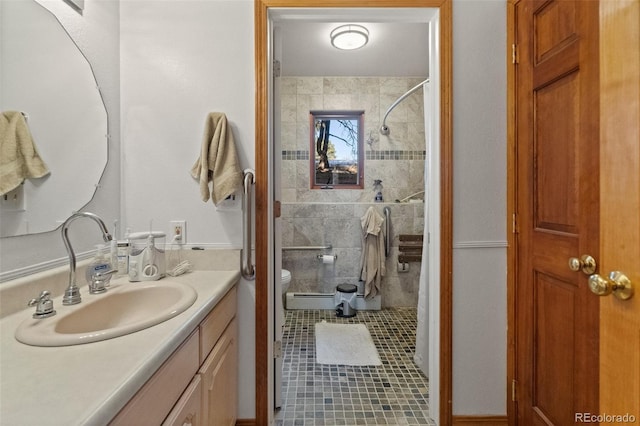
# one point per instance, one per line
(326, 301)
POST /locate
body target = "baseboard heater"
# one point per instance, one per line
(326, 301)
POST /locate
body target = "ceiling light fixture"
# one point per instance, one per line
(349, 37)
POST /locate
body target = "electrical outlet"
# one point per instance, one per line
(179, 231)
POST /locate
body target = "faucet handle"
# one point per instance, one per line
(100, 280)
(43, 304)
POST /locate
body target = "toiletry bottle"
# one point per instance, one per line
(113, 248)
(113, 254)
(123, 257)
(100, 263)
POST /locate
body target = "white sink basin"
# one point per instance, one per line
(123, 310)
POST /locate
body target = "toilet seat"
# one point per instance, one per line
(286, 277)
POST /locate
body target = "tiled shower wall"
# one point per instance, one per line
(323, 217)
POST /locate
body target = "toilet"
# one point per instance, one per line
(284, 284)
(285, 280)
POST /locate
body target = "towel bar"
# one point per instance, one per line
(328, 247)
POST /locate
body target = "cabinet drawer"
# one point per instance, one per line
(188, 410)
(214, 324)
(153, 402)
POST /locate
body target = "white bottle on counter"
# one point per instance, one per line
(123, 251)
(113, 254)
(100, 263)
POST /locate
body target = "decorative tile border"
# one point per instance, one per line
(369, 155)
(295, 154)
(395, 155)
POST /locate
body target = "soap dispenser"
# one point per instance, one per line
(100, 263)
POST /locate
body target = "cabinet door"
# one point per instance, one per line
(155, 399)
(219, 380)
(188, 409)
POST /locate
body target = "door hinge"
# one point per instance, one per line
(277, 209)
(514, 54)
(276, 68)
(514, 384)
(277, 349)
(514, 224)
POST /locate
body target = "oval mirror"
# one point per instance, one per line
(44, 74)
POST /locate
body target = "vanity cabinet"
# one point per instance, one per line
(197, 385)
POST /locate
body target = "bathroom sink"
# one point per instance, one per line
(123, 310)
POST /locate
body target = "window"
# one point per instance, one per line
(337, 143)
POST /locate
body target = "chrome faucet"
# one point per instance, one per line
(72, 293)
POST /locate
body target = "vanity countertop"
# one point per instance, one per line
(89, 384)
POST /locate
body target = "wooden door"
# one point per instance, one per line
(557, 199)
(620, 208)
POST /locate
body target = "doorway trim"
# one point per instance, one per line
(512, 253)
(264, 206)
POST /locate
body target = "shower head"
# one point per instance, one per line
(384, 130)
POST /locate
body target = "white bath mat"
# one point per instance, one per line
(345, 344)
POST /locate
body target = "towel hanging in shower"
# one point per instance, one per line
(372, 260)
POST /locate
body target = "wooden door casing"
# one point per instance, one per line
(263, 340)
(620, 204)
(557, 209)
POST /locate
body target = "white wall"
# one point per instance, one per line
(95, 31)
(479, 258)
(180, 61)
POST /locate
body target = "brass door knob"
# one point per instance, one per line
(586, 264)
(617, 283)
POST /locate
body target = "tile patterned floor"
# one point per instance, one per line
(395, 393)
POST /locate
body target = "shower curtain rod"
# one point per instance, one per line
(384, 129)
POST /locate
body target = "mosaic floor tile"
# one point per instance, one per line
(395, 393)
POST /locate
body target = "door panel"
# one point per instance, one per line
(553, 380)
(557, 204)
(557, 24)
(555, 143)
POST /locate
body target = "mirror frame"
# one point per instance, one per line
(356, 115)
